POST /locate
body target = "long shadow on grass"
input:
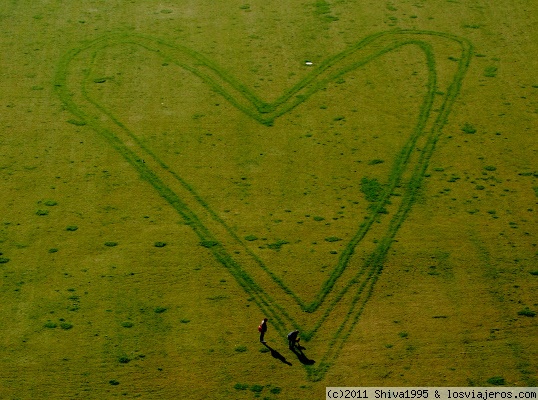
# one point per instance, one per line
(277, 355)
(298, 351)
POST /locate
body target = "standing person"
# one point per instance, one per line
(262, 329)
(293, 339)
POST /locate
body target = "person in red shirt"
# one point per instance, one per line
(263, 328)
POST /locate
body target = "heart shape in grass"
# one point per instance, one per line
(299, 198)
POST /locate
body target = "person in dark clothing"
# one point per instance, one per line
(263, 328)
(293, 339)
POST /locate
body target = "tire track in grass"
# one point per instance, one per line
(407, 170)
(523, 363)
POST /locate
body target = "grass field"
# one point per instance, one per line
(173, 172)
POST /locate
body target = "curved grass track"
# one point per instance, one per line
(407, 170)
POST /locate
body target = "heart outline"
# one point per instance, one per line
(199, 214)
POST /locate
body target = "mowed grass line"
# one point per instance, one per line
(262, 299)
(246, 101)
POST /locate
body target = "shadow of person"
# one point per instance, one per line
(277, 355)
(298, 350)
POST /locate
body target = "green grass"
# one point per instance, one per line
(496, 380)
(277, 245)
(468, 128)
(217, 298)
(332, 70)
(375, 161)
(490, 71)
(208, 243)
(76, 122)
(257, 388)
(241, 386)
(322, 9)
(332, 239)
(527, 312)
(372, 189)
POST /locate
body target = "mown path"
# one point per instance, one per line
(408, 167)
